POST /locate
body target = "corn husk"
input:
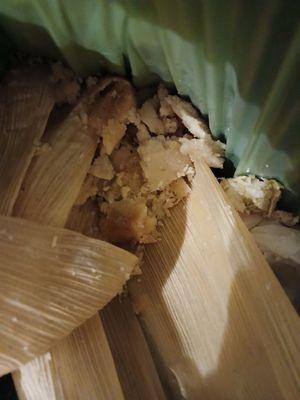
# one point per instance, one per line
(26, 101)
(54, 179)
(63, 373)
(32, 378)
(48, 198)
(37, 380)
(133, 360)
(213, 311)
(84, 364)
(136, 370)
(66, 363)
(85, 219)
(54, 377)
(51, 281)
(131, 367)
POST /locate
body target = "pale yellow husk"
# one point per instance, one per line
(215, 314)
(32, 379)
(51, 281)
(26, 100)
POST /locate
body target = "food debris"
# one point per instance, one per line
(162, 162)
(256, 200)
(207, 149)
(249, 194)
(102, 168)
(188, 115)
(145, 160)
(149, 116)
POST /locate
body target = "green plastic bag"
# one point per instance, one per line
(238, 61)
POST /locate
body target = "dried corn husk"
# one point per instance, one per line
(136, 371)
(37, 380)
(213, 311)
(63, 372)
(134, 363)
(80, 366)
(32, 204)
(84, 365)
(51, 281)
(53, 181)
(26, 101)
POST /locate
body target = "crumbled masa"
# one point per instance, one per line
(249, 194)
(256, 200)
(144, 161)
(162, 162)
(102, 168)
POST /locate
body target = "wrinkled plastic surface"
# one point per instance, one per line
(237, 60)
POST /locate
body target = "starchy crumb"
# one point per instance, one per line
(146, 157)
(189, 116)
(126, 162)
(102, 168)
(256, 199)
(149, 117)
(170, 125)
(128, 220)
(207, 149)
(113, 112)
(162, 162)
(112, 133)
(249, 194)
(142, 133)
